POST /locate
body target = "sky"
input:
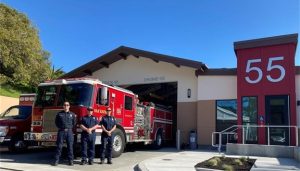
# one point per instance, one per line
(76, 32)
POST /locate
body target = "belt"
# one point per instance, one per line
(65, 129)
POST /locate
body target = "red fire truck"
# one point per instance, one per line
(137, 121)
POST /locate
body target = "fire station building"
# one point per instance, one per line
(263, 90)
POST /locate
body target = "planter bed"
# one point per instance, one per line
(225, 163)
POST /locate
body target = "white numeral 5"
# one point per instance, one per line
(249, 69)
(270, 67)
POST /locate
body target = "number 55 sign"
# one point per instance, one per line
(270, 67)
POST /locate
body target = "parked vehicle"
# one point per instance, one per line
(137, 122)
(14, 122)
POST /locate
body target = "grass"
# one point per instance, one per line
(9, 91)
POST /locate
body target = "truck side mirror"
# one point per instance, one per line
(104, 91)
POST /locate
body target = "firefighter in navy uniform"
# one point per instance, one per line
(108, 124)
(65, 121)
(88, 136)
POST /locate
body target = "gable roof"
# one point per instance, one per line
(123, 52)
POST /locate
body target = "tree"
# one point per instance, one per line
(55, 73)
(23, 62)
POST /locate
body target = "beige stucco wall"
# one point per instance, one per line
(213, 87)
(206, 121)
(6, 102)
(210, 89)
(145, 71)
(186, 119)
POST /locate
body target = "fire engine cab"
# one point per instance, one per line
(136, 121)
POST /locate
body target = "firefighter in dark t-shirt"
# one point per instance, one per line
(88, 136)
(108, 124)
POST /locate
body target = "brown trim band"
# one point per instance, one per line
(219, 71)
(297, 70)
(269, 41)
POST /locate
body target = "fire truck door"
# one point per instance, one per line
(116, 105)
(128, 111)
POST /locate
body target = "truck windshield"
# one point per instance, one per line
(17, 112)
(46, 95)
(76, 94)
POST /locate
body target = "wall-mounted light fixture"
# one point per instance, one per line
(189, 93)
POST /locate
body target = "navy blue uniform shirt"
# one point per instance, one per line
(89, 122)
(65, 120)
(108, 122)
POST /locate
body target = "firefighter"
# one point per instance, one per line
(65, 122)
(88, 136)
(108, 124)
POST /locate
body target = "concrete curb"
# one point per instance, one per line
(185, 160)
(141, 167)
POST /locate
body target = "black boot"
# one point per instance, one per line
(109, 162)
(83, 162)
(71, 163)
(91, 162)
(55, 162)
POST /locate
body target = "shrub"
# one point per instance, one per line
(212, 162)
(244, 159)
(227, 167)
(238, 162)
(218, 159)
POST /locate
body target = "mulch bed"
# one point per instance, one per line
(244, 165)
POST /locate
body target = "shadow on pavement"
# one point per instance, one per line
(30, 156)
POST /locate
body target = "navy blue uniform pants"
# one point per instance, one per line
(106, 147)
(88, 146)
(61, 136)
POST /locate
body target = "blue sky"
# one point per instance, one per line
(76, 32)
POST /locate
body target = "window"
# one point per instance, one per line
(128, 103)
(46, 95)
(249, 113)
(77, 94)
(17, 112)
(104, 102)
(226, 111)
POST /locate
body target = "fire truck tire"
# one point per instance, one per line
(17, 144)
(158, 140)
(118, 143)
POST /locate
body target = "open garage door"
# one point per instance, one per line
(161, 94)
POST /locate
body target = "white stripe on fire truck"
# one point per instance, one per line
(100, 130)
(162, 121)
(128, 127)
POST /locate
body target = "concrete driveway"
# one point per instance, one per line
(40, 159)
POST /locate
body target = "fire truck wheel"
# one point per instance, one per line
(158, 140)
(118, 143)
(17, 144)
